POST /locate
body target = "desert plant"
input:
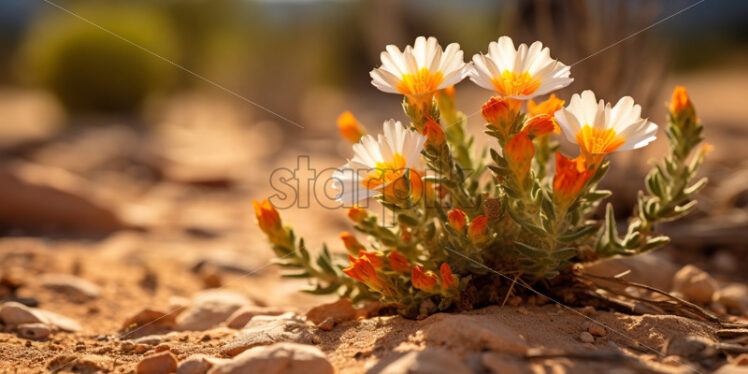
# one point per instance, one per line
(94, 71)
(528, 221)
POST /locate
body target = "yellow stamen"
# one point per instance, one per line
(512, 84)
(386, 172)
(423, 82)
(595, 141)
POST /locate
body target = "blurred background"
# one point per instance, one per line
(135, 119)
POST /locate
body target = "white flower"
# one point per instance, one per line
(378, 162)
(419, 70)
(520, 74)
(600, 129)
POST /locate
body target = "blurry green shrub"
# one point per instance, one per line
(91, 70)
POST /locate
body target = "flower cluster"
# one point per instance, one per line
(463, 216)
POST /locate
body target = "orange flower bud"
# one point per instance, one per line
(477, 232)
(357, 214)
(363, 271)
(680, 100)
(570, 178)
(434, 133)
(270, 222)
(375, 258)
(422, 280)
(267, 217)
(496, 111)
(350, 128)
(519, 153)
(448, 279)
(538, 125)
(351, 243)
(549, 107)
(398, 262)
(457, 219)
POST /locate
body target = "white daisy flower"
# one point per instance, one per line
(520, 74)
(421, 70)
(599, 128)
(378, 162)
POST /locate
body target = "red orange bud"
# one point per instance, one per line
(457, 219)
(350, 128)
(375, 258)
(538, 125)
(448, 279)
(398, 262)
(519, 153)
(357, 214)
(422, 280)
(570, 178)
(351, 243)
(433, 132)
(270, 223)
(549, 107)
(496, 110)
(477, 232)
(363, 271)
(680, 100)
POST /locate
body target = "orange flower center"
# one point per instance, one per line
(595, 141)
(512, 84)
(422, 82)
(386, 172)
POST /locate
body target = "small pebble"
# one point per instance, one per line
(34, 331)
(522, 310)
(127, 347)
(586, 337)
(163, 362)
(597, 330)
(162, 347)
(140, 348)
(588, 310)
(514, 301)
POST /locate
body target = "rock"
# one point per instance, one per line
(209, 310)
(266, 330)
(472, 332)
(281, 358)
(586, 337)
(79, 364)
(740, 360)
(694, 284)
(340, 311)
(428, 361)
(13, 313)
(148, 321)
(43, 199)
(327, 325)
(33, 331)
(142, 348)
(244, 314)
(651, 269)
(197, 364)
(148, 340)
(503, 364)
(734, 297)
(732, 369)
(163, 362)
(596, 330)
(59, 321)
(76, 288)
